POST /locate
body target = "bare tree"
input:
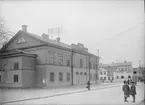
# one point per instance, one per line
(5, 34)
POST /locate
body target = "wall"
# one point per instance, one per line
(43, 74)
(28, 78)
(125, 74)
(8, 78)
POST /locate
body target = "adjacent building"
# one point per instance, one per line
(103, 75)
(122, 71)
(29, 60)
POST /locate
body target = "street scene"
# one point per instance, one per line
(72, 52)
(103, 94)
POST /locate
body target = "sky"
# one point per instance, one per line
(115, 27)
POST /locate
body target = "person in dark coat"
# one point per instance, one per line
(133, 91)
(88, 85)
(126, 91)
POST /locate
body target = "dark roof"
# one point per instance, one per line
(49, 41)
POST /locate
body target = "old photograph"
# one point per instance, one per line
(72, 52)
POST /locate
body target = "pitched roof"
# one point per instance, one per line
(49, 41)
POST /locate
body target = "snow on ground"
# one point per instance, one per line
(111, 96)
(20, 94)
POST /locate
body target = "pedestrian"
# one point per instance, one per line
(133, 91)
(88, 85)
(126, 91)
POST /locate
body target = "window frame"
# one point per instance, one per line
(81, 63)
(16, 65)
(52, 77)
(68, 76)
(15, 78)
(51, 57)
(60, 76)
(60, 59)
(67, 63)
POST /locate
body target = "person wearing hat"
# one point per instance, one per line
(126, 91)
(133, 90)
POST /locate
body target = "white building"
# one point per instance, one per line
(103, 76)
(122, 71)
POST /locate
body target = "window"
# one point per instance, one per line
(108, 78)
(104, 72)
(81, 73)
(0, 78)
(51, 76)
(51, 57)
(16, 78)
(94, 66)
(117, 77)
(100, 78)
(85, 73)
(16, 65)
(129, 76)
(101, 73)
(60, 59)
(68, 63)
(112, 78)
(68, 76)
(60, 76)
(122, 77)
(104, 78)
(81, 63)
(77, 73)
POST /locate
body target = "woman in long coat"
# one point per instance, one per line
(126, 91)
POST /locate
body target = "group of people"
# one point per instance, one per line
(129, 90)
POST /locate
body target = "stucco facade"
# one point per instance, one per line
(122, 71)
(41, 61)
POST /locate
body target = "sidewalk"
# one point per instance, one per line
(11, 95)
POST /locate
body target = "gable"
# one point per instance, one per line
(21, 40)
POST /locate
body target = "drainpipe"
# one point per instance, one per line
(89, 67)
(72, 67)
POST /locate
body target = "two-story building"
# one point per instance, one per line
(30, 60)
(122, 71)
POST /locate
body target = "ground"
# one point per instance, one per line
(111, 94)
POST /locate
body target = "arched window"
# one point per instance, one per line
(122, 77)
(129, 76)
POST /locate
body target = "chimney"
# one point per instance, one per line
(58, 39)
(24, 28)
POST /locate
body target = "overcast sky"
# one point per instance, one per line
(92, 23)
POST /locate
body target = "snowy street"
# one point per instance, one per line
(112, 95)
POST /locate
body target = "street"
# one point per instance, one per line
(113, 95)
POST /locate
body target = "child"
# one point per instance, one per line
(125, 89)
(133, 91)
